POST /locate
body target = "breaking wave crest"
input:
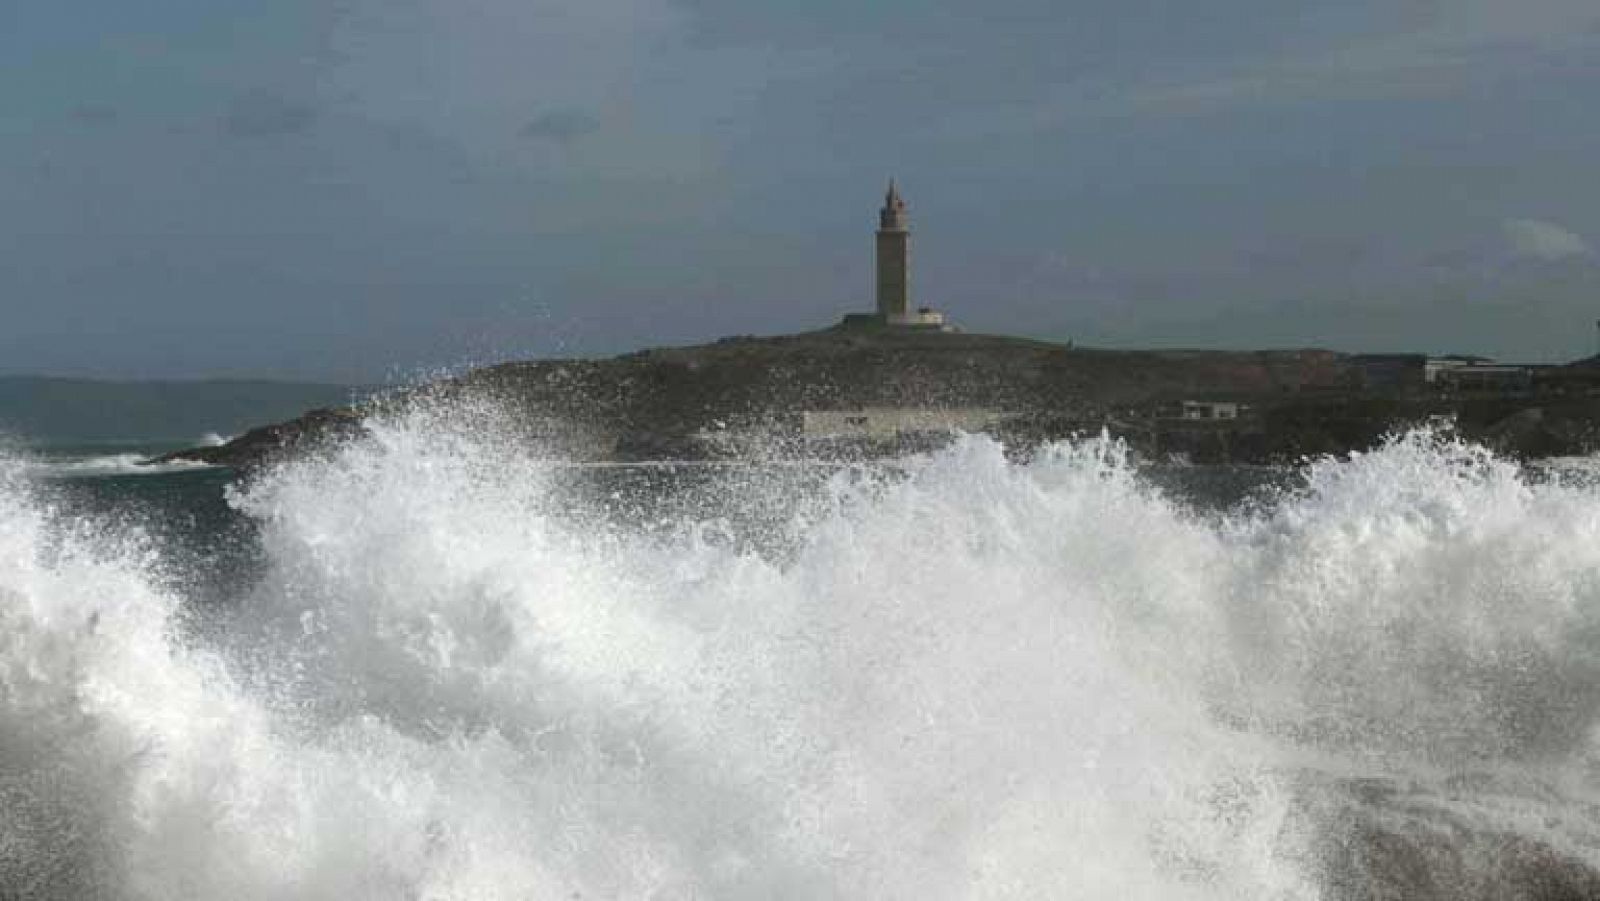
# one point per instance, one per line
(102, 465)
(957, 676)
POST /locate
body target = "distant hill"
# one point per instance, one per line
(717, 400)
(744, 397)
(42, 410)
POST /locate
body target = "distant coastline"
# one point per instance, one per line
(50, 410)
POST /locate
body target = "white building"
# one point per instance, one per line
(1206, 410)
(1475, 373)
(889, 422)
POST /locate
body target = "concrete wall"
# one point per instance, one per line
(888, 422)
(1210, 410)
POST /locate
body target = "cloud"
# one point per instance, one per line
(96, 113)
(561, 126)
(261, 114)
(1536, 239)
(489, 76)
(1420, 49)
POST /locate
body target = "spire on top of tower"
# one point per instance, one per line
(893, 215)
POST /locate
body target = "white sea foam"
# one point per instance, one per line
(963, 678)
(88, 466)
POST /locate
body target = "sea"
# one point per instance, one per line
(432, 663)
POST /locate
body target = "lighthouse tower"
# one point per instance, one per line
(894, 276)
(894, 258)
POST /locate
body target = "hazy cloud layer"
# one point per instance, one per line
(561, 126)
(348, 189)
(94, 112)
(1544, 240)
(258, 114)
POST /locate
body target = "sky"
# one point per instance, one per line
(371, 189)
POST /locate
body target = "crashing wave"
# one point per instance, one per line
(959, 676)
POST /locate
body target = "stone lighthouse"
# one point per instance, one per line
(894, 258)
(894, 274)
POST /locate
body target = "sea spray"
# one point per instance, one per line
(951, 676)
(1427, 600)
(105, 721)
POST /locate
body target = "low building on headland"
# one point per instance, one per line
(1210, 410)
(1199, 411)
(888, 423)
(1465, 373)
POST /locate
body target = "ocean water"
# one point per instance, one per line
(432, 665)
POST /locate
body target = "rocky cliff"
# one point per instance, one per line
(726, 398)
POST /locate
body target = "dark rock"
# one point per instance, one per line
(701, 402)
(317, 428)
(1377, 840)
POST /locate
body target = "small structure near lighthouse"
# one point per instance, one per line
(894, 273)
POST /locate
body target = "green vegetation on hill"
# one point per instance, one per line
(40, 410)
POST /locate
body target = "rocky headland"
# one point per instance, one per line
(751, 396)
